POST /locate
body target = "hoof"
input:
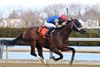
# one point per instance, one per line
(53, 57)
(71, 62)
(34, 54)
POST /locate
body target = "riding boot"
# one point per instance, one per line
(47, 34)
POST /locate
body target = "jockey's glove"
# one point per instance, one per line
(56, 22)
(58, 26)
(64, 23)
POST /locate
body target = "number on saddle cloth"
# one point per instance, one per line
(42, 31)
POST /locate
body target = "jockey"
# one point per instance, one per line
(55, 22)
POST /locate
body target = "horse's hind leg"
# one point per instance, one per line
(40, 50)
(33, 48)
(40, 53)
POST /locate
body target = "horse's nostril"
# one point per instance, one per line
(82, 31)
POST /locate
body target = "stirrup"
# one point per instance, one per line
(47, 35)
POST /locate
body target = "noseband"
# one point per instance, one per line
(73, 24)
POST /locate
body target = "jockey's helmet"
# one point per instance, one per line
(63, 17)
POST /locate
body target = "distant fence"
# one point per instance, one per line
(1, 50)
(85, 39)
(70, 39)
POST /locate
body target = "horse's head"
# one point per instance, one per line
(77, 26)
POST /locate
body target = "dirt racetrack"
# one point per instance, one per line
(37, 63)
(42, 65)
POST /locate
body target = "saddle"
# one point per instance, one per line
(42, 31)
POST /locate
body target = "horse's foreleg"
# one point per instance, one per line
(55, 50)
(51, 54)
(73, 54)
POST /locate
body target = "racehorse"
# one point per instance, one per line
(57, 42)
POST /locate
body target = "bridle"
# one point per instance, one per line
(76, 25)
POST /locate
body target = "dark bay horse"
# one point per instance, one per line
(58, 40)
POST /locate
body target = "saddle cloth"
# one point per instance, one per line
(42, 31)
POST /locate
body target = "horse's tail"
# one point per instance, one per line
(18, 41)
(5, 42)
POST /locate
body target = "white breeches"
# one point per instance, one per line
(49, 25)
